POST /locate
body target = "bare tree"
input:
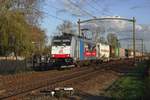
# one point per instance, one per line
(65, 27)
(31, 9)
(112, 40)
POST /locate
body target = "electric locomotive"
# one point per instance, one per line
(69, 50)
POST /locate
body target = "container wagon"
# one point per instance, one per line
(103, 52)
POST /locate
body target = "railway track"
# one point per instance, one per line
(44, 82)
(23, 84)
(72, 82)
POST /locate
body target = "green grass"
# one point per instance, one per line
(127, 88)
(131, 86)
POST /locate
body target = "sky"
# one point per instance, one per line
(56, 11)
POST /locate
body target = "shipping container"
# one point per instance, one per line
(130, 53)
(103, 51)
(116, 52)
(138, 54)
(126, 53)
(122, 53)
(112, 52)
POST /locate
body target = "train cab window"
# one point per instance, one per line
(66, 42)
(61, 41)
(56, 42)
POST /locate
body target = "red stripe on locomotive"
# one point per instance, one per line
(61, 55)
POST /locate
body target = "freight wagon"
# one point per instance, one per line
(103, 52)
(114, 53)
(130, 53)
(122, 53)
(138, 54)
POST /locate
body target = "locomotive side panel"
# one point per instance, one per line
(89, 50)
(85, 50)
(74, 48)
(81, 49)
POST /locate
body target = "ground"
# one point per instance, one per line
(92, 89)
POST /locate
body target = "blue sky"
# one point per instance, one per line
(123, 8)
(61, 9)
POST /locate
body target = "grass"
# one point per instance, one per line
(132, 86)
(127, 88)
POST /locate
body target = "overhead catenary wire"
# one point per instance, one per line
(106, 12)
(56, 8)
(74, 4)
(96, 9)
(55, 17)
(81, 9)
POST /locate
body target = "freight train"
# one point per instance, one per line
(70, 51)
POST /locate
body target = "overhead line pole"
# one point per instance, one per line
(79, 32)
(142, 47)
(79, 28)
(134, 55)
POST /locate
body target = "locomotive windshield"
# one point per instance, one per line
(61, 41)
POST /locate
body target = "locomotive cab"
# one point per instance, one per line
(61, 51)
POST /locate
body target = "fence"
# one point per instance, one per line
(13, 66)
